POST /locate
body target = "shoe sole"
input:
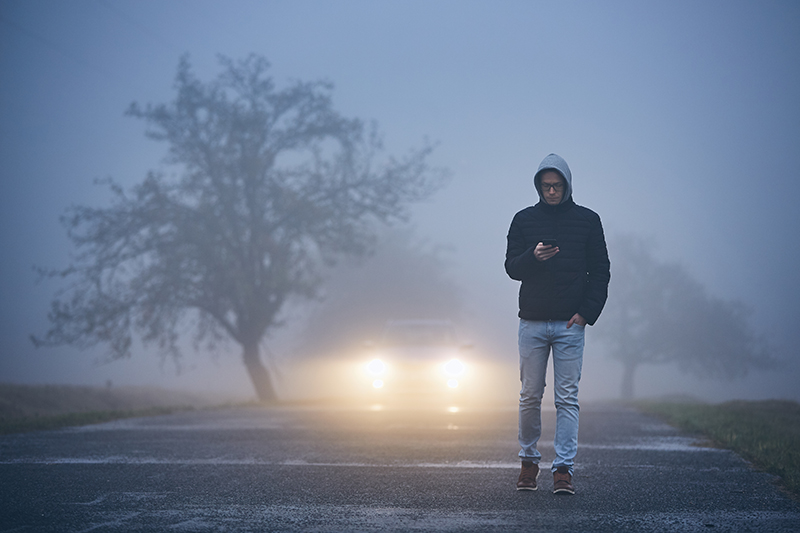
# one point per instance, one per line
(564, 491)
(527, 488)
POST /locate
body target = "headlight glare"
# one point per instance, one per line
(454, 367)
(376, 367)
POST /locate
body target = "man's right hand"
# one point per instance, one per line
(543, 253)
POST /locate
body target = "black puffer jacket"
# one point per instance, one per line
(575, 280)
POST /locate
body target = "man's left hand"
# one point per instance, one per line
(576, 319)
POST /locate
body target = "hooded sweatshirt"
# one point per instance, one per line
(575, 280)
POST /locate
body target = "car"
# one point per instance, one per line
(418, 360)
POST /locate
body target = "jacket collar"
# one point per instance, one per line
(553, 209)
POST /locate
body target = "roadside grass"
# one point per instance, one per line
(44, 422)
(766, 433)
(25, 408)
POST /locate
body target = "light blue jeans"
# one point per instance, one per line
(536, 338)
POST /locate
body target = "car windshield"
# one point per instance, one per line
(419, 334)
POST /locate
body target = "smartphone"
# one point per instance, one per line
(549, 242)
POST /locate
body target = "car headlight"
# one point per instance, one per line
(376, 367)
(454, 368)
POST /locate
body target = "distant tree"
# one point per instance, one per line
(268, 185)
(658, 314)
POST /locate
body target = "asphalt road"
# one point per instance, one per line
(329, 469)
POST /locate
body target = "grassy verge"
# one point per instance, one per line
(37, 422)
(766, 433)
(38, 407)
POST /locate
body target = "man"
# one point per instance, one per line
(557, 249)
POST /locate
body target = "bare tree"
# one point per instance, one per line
(268, 185)
(658, 314)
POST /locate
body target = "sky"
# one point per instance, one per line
(680, 121)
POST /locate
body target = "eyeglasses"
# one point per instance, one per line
(558, 187)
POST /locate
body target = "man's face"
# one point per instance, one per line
(553, 186)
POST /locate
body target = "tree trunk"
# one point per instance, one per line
(628, 372)
(258, 373)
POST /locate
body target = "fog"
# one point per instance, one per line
(680, 122)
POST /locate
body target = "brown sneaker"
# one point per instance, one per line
(527, 478)
(562, 481)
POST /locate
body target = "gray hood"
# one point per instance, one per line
(554, 162)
